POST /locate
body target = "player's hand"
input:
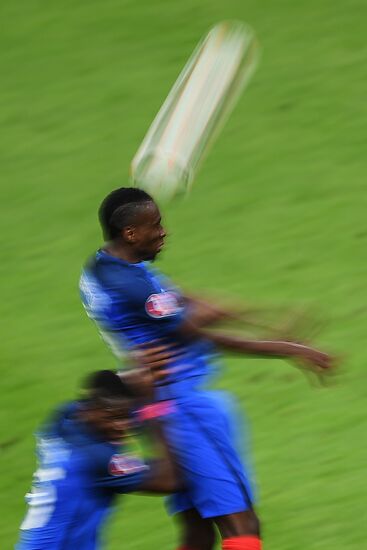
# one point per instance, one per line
(313, 361)
(155, 356)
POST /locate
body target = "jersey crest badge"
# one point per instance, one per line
(120, 465)
(162, 305)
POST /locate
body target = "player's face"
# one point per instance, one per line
(113, 422)
(149, 234)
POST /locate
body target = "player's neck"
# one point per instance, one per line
(123, 253)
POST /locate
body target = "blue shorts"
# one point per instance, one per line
(203, 434)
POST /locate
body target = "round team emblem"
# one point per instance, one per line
(161, 305)
(125, 464)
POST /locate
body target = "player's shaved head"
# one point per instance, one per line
(121, 208)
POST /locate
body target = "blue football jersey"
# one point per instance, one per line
(134, 304)
(74, 487)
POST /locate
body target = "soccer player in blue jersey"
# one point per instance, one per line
(133, 304)
(84, 463)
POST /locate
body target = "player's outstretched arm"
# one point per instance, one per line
(272, 348)
(202, 312)
(305, 355)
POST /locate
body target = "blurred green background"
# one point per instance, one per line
(276, 216)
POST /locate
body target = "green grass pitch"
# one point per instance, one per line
(276, 216)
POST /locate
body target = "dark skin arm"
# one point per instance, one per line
(309, 357)
(204, 313)
(164, 478)
(153, 356)
(295, 324)
(272, 348)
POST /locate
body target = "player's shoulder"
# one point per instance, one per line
(89, 448)
(53, 443)
(94, 456)
(102, 262)
(105, 272)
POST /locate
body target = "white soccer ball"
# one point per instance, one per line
(195, 110)
(162, 176)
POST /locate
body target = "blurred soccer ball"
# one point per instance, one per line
(195, 111)
(162, 176)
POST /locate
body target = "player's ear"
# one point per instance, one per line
(128, 234)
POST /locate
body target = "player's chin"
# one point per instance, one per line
(159, 247)
(150, 257)
(153, 254)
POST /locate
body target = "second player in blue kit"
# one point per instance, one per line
(85, 461)
(133, 305)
